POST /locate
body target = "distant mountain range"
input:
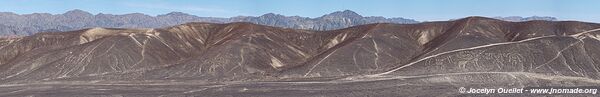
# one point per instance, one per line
(28, 24)
(520, 19)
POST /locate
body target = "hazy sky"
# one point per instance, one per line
(422, 10)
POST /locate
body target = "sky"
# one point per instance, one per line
(421, 10)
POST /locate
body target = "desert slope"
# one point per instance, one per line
(244, 59)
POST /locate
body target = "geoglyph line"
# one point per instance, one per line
(476, 47)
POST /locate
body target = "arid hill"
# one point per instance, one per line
(244, 59)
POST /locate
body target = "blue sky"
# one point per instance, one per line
(422, 10)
